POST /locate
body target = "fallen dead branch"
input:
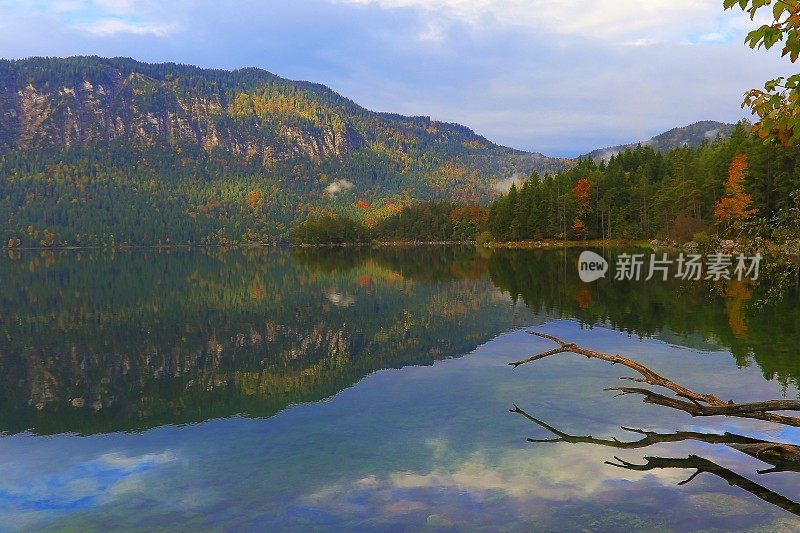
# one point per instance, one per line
(698, 404)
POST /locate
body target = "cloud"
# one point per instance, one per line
(96, 481)
(101, 18)
(107, 27)
(504, 186)
(562, 77)
(616, 20)
(130, 463)
(713, 37)
(640, 42)
(122, 7)
(338, 186)
(516, 483)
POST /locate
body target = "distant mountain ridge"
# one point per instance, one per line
(692, 135)
(51, 103)
(113, 150)
(107, 151)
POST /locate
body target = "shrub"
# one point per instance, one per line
(484, 238)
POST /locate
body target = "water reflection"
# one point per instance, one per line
(782, 456)
(100, 341)
(734, 315)
(97, 342)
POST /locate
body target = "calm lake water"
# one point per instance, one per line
(369, 390)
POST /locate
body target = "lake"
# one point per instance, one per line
(369, 390)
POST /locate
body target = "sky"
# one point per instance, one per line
(561, 77)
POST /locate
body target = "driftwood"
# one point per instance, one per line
(782, 457)
(687, 400)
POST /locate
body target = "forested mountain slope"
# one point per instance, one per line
(109, 151)
(692, 136)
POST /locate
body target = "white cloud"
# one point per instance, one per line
(639, 42)
(531, 476)
(338, 186)
(95, 481)
(107, 27)
(129, 463)
(624, 21)
(122, 7)
(562, 77)
(100, 17)
(504, 186)
(713, 37)
(65, 6)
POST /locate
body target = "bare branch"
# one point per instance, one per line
(649, 376)
(698, 404)
(696, 409)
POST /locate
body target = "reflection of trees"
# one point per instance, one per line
(687, 400)
(783, 457)
(728, 314)
(94, 341)
(419, 263)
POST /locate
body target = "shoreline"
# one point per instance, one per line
(374, 244)
(767, 247)
(549, 244)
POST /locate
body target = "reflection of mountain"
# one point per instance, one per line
(94, 342)
(129, 341)
(693, 314)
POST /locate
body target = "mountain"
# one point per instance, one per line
(213, 145)
(692, 135)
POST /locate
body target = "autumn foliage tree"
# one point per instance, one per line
(255, 199)
(580, 194)
(778, 104)
(734, 208)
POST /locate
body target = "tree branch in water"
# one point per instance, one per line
(698, 404)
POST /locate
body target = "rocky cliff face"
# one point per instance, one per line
(147, 111)
(48, 103)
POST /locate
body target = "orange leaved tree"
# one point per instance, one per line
(580, 193)
(734, 207)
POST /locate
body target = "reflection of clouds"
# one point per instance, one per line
(88, 484)
(517, 480)
(339, 299)
(497, 295)
(555, 473)
(721, 504)
(120, 461)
